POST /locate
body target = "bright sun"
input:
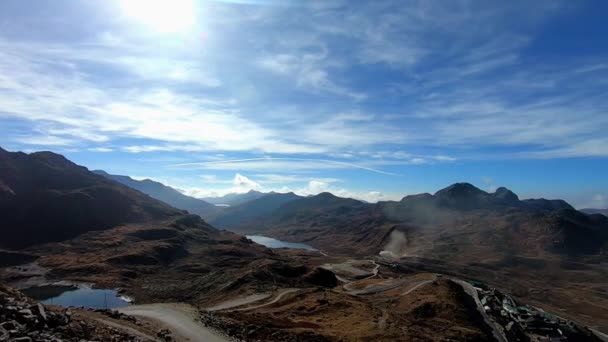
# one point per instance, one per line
(167, 16)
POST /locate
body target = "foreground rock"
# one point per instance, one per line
(22, 319)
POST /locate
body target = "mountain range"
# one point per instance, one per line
(235, 198)
(250, 210)
(84, 226)
(163, 193)
(45, 197)
(461, 217)
(595, 211)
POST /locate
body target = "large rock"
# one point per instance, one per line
(321, 277)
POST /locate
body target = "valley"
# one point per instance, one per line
(317, 268)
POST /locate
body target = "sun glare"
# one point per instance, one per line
(167, 16)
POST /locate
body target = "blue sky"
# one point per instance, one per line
(368, 99)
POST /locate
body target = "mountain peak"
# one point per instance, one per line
(325, 195)
(459, 190)
(506, 194)
(101, 172)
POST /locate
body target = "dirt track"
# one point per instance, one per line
(178, 318)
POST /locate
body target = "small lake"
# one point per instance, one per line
(71, 295)
(274, 243)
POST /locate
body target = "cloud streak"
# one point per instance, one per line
(246, 164)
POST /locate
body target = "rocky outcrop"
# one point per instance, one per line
(22, 319)
(321, 277)
(52, 199)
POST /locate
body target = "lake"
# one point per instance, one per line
(71, 295)
(274, 243)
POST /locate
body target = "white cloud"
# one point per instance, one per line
(315, 187)
(309, 71)
(43, 140)
(193, 92)
(101, 149)
(244, 184)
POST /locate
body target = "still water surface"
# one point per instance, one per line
(274, 243)
(77, 296)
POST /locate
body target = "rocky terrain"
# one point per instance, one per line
(23, 320)
(335, 315)
(249, 211)
(45, 197)
(387, 271)
(517, 245)
(595, 211)
(235, 198)
(164, 193)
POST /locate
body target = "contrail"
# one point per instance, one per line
(351, 165)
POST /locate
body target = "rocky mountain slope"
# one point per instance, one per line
(464, 218)
(155, 253)
(251, 210)
(326, 221)
(45, 197)
(164, 193)
(595, 211)
(458, 218)
(235, 198)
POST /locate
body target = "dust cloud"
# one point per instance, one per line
(395, 248)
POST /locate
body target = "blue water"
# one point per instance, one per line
(77, 296)
(274, 243)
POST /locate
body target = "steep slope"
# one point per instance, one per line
(460, 218)
(163, 193)
(251, 210)
(595, 211)
(496, 225)
(48, 198)
(325, 221)
(236, 198)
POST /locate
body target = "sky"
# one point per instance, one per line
(366, 99)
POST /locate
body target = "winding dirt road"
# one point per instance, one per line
(276, 299)
(180, 319)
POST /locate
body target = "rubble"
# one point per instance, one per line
(528, 323)
(22, 319)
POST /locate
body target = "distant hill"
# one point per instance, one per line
(45, 197)
(462, 198)
(235, 199)
(325, 220)
(595, 211)
(163, 193)
(460, 222)
(250, 210)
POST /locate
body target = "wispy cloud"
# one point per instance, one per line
(278, 163)
(384, 87)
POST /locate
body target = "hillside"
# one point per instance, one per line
(235, 198)
(326, 221)
(125, 239)
(458, 218)
(46, 197)
(595, 211)
(494, 224)
(251, 210)
(164, 193)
